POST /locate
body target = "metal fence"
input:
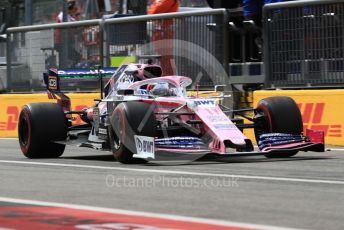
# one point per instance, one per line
(31, 50)
(192, 44)
(303, 47)
(304, 44)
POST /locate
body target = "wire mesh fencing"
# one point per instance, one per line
(304, 44)
(191, 44)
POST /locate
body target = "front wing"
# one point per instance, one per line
(313, 141)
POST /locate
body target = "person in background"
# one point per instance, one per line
(72, 10)
(163, 29)
(253, 9)
(163, 6)
(253, 23)
(65, 43)
(77, 15)
(59, 18)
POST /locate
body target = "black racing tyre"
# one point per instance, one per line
(129, 119)
(278, 115)
(40, 124)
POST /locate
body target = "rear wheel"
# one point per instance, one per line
(39, 125)
(278, 115)
(129, 119)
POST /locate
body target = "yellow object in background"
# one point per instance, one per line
(117, 61)
(320, 109)
(11, 104)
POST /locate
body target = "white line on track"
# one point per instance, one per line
(335, 149)
(144, 214)
(285, 179)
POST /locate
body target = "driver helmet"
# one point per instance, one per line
(161, 89)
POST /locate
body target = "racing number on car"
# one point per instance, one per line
(144, 146)
(52, 82)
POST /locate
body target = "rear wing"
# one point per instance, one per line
(52, 82)
(54, 78)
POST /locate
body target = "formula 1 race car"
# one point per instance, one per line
(149, 117)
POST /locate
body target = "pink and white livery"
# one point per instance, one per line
(147, 117)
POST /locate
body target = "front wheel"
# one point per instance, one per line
(278, 115)
(39, 125)
(127, 120)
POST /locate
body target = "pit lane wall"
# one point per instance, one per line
(320, 109)
(11, 104)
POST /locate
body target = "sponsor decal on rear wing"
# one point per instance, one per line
(53, 77)
(86, 73)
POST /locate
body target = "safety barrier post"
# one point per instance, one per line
(8, 60)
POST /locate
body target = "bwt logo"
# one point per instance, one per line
(144, 146)
(205, 103)
(312, 115)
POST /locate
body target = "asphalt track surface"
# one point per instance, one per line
(304, 192)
